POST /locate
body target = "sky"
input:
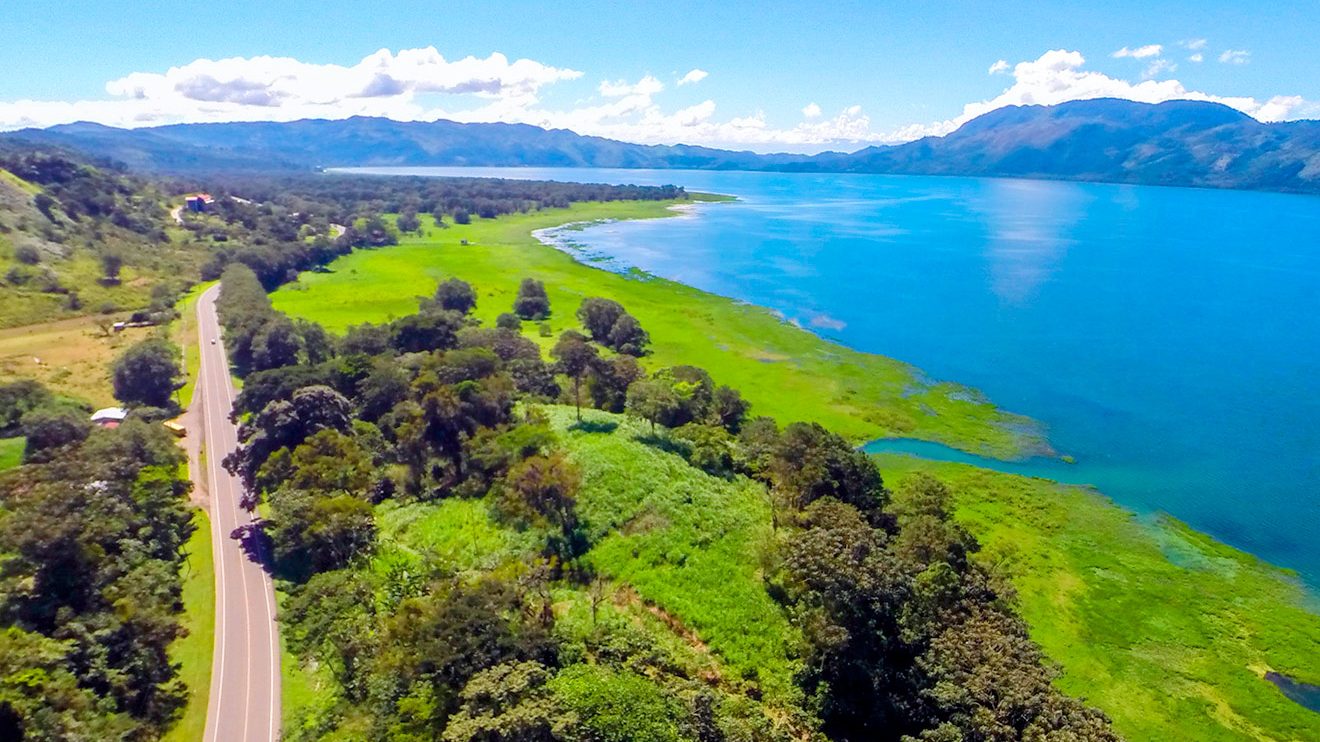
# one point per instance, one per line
(767, 76)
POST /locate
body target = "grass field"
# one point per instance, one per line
(11, 452)
(1166, 630)
(184, 334)
(71, 357)
(785, 371)
(193, 652)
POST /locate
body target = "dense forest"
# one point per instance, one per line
(92, 530)
(903, 634)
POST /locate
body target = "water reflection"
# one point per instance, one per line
(1028, 224)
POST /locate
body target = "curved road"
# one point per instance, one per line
(245, 663)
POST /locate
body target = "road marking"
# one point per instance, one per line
(222, 437)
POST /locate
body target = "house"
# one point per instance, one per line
(198, 202)
(110, 417)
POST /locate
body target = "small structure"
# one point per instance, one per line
(176, 429)
(198, 202)
(110, 417)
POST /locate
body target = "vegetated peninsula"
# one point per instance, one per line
(506, 490)
(1181, 142)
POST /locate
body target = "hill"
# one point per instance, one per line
(1184, 143)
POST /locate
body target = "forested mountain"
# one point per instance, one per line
(1187, 143)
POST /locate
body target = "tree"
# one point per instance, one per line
(610, 380)
(276, 344)
(652, 400)
(111, 263)
(315, 532)
(456, 295)
(509, 321)
(426, 331)
(147, 373)
(316, 342)
(574, 357)
(809, 463)
(729, 409)
(598, 316)
(50, 427)
(509, 702)
(532, 302)
(19, 397)
(408, 222)
(627, 336)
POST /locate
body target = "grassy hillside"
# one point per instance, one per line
(1162, 628)
(55, 237)
(11, 452)
(785, 371)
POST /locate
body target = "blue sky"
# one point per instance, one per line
(875, 72)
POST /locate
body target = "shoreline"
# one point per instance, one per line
(1156, 622)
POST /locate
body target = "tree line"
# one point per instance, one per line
(92, 529)
(906, 634)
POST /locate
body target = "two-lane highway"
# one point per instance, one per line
(245, 666)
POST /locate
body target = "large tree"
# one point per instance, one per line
(574, 357)
(456, 295)
(147, 373)
(532, 302)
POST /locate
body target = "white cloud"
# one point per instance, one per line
(1141, 52)
(647, 86)
(1057, 77)
(1158, 67)
(421, 85)
(1194, 44)
(1197, 57)
(693, 76)
(1235, 56)
(999, 66)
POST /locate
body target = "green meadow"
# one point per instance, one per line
(11, 452)
(784, 370)
(1166, 630)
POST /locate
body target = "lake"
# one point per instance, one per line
(1168, 338)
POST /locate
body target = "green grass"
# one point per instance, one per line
(184, 334)
(687, 542)
(1161, 627)
(11, 452)
(1170, 649)
(456, 535)
(784, 370)
(193, 652)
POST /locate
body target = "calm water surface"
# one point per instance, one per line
(1169, 338)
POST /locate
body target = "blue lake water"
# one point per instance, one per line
(1168, 338)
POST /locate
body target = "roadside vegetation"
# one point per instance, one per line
(477, 543)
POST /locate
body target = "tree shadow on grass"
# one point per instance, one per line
(594, 426)
(668, 445)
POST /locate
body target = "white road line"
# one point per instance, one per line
(217, 530)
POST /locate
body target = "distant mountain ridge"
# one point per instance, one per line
(1185, 143)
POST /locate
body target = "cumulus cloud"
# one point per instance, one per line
(1195, 44)
(693, 76)
(1197, 57)
(421, 85)
(1141, 52)
(1058, 76)
(1235, 56)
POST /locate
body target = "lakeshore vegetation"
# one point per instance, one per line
(589, 483)
(1165, 630)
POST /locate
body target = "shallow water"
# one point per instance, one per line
(1169, 338)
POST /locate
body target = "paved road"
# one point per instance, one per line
(245, 669)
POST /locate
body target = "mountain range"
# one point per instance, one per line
(1183, 143)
